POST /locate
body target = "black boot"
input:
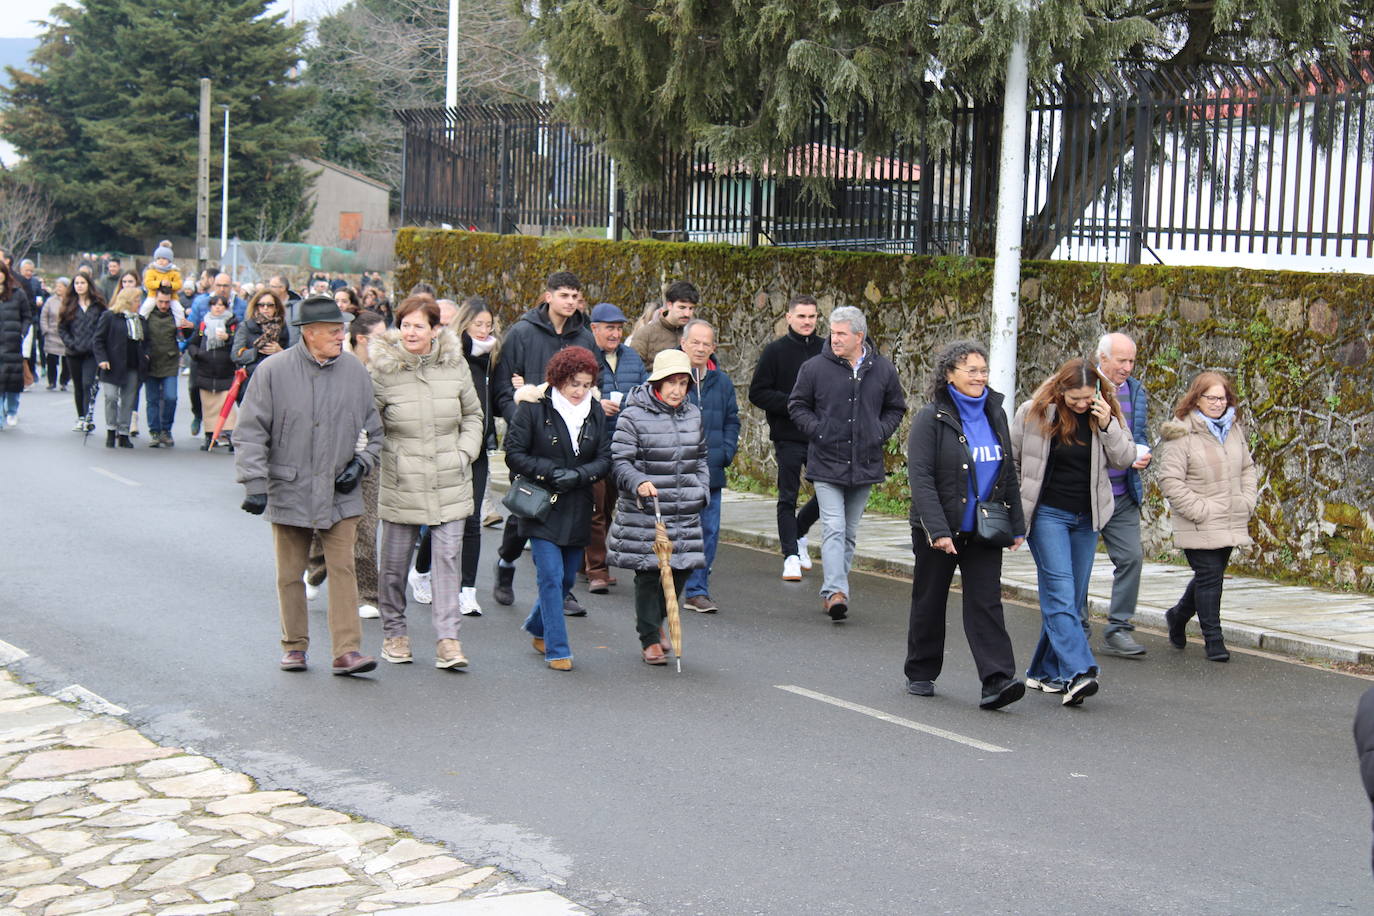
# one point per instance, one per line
(1216, 649)
(109, 438)
(1178, 627)
(206, 446)
(504, 589)
(124, 442)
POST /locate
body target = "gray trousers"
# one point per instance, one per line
(841, 508)
(398, 543)
(119, 402)
(1121, 535)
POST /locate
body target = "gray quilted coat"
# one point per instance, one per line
(666, 446)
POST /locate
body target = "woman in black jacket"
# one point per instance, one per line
(481, 344)
(958, 454)
(264, 331)
(76, 326)
(121, 353)
(16, 317)
(559, 442)
(211, 350)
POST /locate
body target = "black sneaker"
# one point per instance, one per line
(1082, 687)
(920, 688)
(504, 589)
(1000, 691)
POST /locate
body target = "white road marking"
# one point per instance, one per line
(9, 653)
(896, 720)
(113, 476)
(89, 700)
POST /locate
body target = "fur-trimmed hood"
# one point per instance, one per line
(387, 355)
(1173, 429)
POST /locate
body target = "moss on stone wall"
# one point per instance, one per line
(1297, 345)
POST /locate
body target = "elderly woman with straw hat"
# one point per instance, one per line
(659, 453)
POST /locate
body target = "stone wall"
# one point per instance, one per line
(1297, 345)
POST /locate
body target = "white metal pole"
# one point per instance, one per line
(1011, 208)
(224, 194)
(451, 86)
(614, 216)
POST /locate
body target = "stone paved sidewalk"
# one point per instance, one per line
(97, 819)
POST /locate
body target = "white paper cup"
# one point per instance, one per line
(1141, 451)
(617, 397)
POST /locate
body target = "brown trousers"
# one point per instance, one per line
(293, 545)
(604, 495)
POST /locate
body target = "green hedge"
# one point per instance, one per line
(1297, 346)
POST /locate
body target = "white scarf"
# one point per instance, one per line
(482, 347)
(574, 415)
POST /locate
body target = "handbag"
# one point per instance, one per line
(991, 519)
(527, 499)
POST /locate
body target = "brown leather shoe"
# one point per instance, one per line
(837, 606)
(354, 663)
(653, 654)
(600, 585)
(702, 604)
(538, 645)
(293, 661)
(561, 664)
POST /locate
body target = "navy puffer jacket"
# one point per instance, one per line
(666, 446)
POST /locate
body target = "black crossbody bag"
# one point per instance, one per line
(991, 519)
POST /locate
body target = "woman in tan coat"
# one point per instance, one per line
(1207, 475)
(433, 432)
(1063, 440)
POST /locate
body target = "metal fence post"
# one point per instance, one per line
(755, 211)
(1140, 174)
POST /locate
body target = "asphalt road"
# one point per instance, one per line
(1184, 786)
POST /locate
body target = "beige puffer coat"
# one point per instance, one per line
(1030, 447)
(433, 423)
(1211, 488)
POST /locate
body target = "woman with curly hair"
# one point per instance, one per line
(1064, 439)
(1207, 475)
(558, 441)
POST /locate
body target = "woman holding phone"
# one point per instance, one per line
(1063, 440)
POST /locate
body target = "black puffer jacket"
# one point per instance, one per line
(536, 444)
(214, 365)
(526, 350)
(666, 446)
(111, 345)
(78, 334)
(480, 367)
(847, 418)
(938, 467)
(16, 315)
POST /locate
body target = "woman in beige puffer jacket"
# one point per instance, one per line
(433, 425)
(1206, 473)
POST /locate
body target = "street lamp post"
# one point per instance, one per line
(224, 194)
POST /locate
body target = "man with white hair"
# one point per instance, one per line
(848, 401)
(1116, 361)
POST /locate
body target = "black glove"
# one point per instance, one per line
(348, 478)
(255, 503)
(565, 479)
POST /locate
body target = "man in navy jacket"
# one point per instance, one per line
(714, 393)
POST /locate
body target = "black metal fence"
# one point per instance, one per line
(1182, 165)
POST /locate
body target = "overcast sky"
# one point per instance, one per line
(16, 16)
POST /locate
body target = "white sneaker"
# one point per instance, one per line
(420, 588)
(80, 425)
(311, 591)
(803, 554)
(368, 612)
(467, 602)
(12, 420)
(791, 569)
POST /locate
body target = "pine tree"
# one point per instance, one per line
(106, 118)
(744, 77)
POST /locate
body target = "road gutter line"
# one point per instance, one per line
(113, 476)
(896, 720)
(90, 700)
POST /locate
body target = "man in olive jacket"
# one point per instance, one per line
(298, 458)
(847, 402)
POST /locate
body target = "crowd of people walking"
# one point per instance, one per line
(364, 434)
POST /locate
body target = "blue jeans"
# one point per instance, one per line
(162, 403)
(1063, 544)
(841, 509)
(9, 406)
(698, 583)
(555, 570)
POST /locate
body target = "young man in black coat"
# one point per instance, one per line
(774, 376)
